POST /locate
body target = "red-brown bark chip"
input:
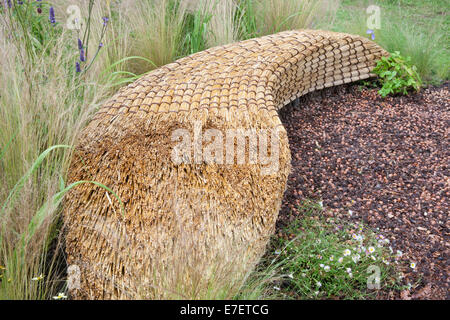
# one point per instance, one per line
(386, 160)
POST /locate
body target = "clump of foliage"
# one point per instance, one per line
(320, 257)
(397, 75)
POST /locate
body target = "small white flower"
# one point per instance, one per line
(340, 259)
(277, 288)
(355, 236)
(332, 258)
(60, 296)
(350, 212)
(318, 284)
(278, 252)
(413, 265)
(347, 252)
(321, 265)
(399, 253)
(371, 249)
(349, 270)
(321, 204)
(326, 268)
(350, 275)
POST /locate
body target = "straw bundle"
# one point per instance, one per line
(183, 211)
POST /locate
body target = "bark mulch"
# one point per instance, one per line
(385, 160)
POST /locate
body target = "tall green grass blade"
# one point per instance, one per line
(125, 60)
(40, 216)
(8, 144)
(19, 185)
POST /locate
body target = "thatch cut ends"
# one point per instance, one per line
(190, 221)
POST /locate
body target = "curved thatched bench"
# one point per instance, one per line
(190, 218)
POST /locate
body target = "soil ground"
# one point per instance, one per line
(385, 162)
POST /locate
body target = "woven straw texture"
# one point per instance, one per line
(182, 217)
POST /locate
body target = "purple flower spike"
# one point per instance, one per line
(372, 33)
(80, 44)
(52, 16)
(100, 45)
(77, 67)
(105, 21)
(82, 57)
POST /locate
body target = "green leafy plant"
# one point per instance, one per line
(397, 75)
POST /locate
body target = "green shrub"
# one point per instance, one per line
(397, 75)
